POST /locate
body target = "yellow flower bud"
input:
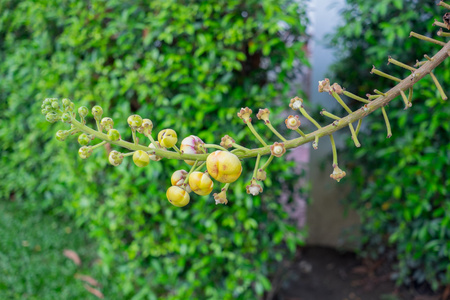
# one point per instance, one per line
(201, 183)
(141, 158)
(178, 178)
(167, 138)
(224, 166)
(177, 196)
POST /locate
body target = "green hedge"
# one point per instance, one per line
(187, 65)
(401, 184)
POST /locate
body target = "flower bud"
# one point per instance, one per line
(263, 114)
(97, 111)
(177, 196)
(113, 135)
(178, 177)
(254, 188)
(296, 103)
(277, 149)
(292, 122)
(134, 121)
(192, 145)
(141, 158)
(167, 138)
(324, 86)
(66, 118)
(83, 111)
(261, 175)
(227, 142)
(47, 101)
(52, 117)
(201, 183)
(44, 111)
(245, 114)
(55, 105)
(61, 135)
(83, 139)
(115, 158)
(337, 89)
(337, 174)
(146, 127)
(66, 102)
(221, 198)
(224, 166)
(155, 157)
(107, 124)
(84, 152)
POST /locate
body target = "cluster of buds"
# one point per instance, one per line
(324, 86)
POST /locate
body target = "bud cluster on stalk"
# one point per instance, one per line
(223, 164)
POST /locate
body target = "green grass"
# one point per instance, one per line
(32, 264)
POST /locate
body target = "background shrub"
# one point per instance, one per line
(189, 66)
(401, 184)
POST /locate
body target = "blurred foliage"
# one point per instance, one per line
(188, 65)
(400, 184)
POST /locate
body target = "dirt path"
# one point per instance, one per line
(326, 274)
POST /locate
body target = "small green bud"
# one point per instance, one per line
(70, 107)
(107, 123)
(146, 127)
(61, 135)
(66, 102)
(97, 111)
(55, 105)
(141, 158)
(83, 111)
(66, 118)
(113, 135)
(115, 158)
(134, 121)
(44, 111)
(83, 139)
(85, 152)
(49, 107)
(51, 117)
(47, 101)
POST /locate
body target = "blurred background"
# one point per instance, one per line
(83, 229)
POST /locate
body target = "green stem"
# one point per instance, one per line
(300, 132)
(333, 147)
(371, 97)
(380, 93)
(329, 115)
(386, 119)
(275, 131)
(186, 181)
(200, 166)
(239, 147)
(382, 74)
(252, 129)
(336, 96)
(215, 147)
(358, 127)
(267, 162)
(405, 100)
(225, 187)
(133, 134)
(152, 141)
(354, 136)
(444, 5)
(315, 144)
(355, 97)
(176, 149)
(258, 158)
(306, 115)
(98, 145)
(439, 24)
(425, 38)
(410, 94)
(443, 34)
(127, 154)
(400, 64)
(439, 87)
